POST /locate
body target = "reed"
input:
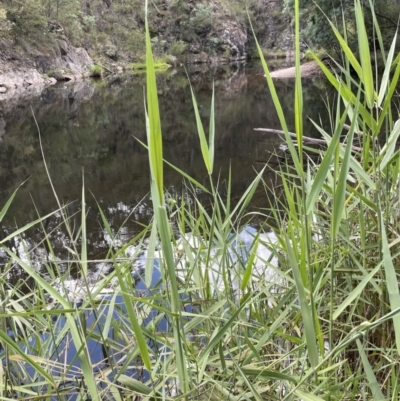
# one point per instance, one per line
(309, 310)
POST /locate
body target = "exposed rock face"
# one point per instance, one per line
(14, 83)
(68, 63)
(234, 37)
(230, 44)
(23, 70)
(272, 25)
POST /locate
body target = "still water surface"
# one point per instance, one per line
(88, 131)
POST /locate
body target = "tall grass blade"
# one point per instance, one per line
(345, 48)
(3, 211)
(298, 95)
(391, 282)
(244, 200)
(202, 136)
(377, 394)
(149, 266)
(378, 33)
(218, 334)
(84, 264)
(307, 396)
(28, 226)
(277, 104)
(386, 73)
(181, 172)
(389, 148)
(356, 292)
(126, 284)
(346, 93)
(249, 265)
(154, 139)
(387, 103)
(304, 307)
(211, 132)
(366, 77)
(25, 357)
(325, 165)
(165, 235)
(340, 193)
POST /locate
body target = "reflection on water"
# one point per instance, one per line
(89, 130)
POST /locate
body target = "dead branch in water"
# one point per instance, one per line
(306, 139)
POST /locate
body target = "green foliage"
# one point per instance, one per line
(27, 18)
(96, 71)
(314, 17)
(158, 65)
(177, 48)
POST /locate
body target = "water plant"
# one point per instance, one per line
(307, 312)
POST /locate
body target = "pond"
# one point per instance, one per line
(89, 130)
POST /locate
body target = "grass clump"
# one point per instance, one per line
(158, 66)
(96, 71)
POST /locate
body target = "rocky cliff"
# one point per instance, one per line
(29, 70)
(35, 51)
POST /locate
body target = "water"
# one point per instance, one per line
(88, 132)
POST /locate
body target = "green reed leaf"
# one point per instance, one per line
(356, 292)
(340, 192)
(72, 321)
(202, 136)
(125, 282)
(218, 334)
(347, 94)
(365, 75)
(325, 165)
(304, 307)
(307, 396)
(181, 172)
(165, 236)
(389, 148)
(298, 95)
(277, 104)
(3, 211)
(153, 122)
(387, 102)
(36, 365)
(386, 73)
(391, 282)
(377, 394)
(249, 265)
(211, 132)
(83, 262)
(345, 47)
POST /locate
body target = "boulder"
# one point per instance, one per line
(233, 38)
(21, 79)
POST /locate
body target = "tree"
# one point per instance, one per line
(28, 17)
(315, 15)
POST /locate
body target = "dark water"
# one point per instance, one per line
(88, 130)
